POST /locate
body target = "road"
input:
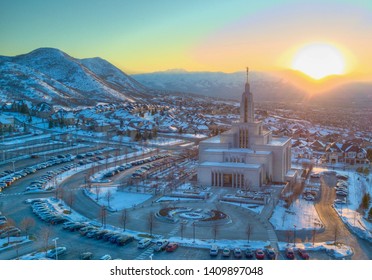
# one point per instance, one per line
(335, 228)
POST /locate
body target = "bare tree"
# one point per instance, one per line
(151, 221)
(249, 231)
(103, 215)
(182, 228)
(27, 224)
(215, 231)
(71, 199)
(9, 223)
(124, 217)
(98, 191)
(45, 235)
(336, 232)
(313, 235)
(59, 192)
(288, 234)
(108, 197)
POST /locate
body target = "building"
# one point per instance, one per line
(247, 156)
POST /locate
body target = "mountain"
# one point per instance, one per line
(50, 75)
(265, 87)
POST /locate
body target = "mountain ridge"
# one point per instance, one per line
(49, 74)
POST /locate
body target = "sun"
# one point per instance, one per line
(319, 60)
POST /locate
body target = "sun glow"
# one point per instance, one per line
(319, 60)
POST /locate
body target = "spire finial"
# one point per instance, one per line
(247, 73)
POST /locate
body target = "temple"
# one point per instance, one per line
(247, 156)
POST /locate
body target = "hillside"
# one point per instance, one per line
(50, 75)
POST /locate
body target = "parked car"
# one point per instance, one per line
(86, 256)
(124, 239)
(303, 254)
(143, 243)
(171, 247)
(214, 250)
(160, 245)
(248, 253)
(105, 257)
(271, 254)
(238, 253)
(289, 253)
(226, 252)
(260, 255)
(53, 253)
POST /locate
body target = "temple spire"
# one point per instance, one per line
(247, 105)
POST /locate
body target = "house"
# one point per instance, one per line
(64, 116)
(6, 122)
(354, 154)
(333, 153)
(42, 110)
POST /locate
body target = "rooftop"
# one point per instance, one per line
(239, 150)
(230, 164)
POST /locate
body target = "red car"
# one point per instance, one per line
(171, 247)
(260, 255)
(290, 253)
(303, 254)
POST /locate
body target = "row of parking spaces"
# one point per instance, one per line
(7, 231)
(149, 168)
(46, 212)
(133, 163)
(169, 167)
(98, 233)
(8, 176)
(93, 156)
(40, 182)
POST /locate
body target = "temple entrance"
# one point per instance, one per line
(227, 180)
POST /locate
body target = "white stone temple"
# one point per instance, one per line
(247, 156)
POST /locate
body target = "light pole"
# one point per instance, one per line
(55, 246)
(294, 235)
(13, 166)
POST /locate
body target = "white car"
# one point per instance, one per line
(143, 243)
(340, 201)
(105, 257)
(309, 197)
(56, 252)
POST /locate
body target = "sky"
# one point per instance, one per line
(210, 35)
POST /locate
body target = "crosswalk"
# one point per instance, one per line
(174, 231)
(145, 255)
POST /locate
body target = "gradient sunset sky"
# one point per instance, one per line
(211, 35)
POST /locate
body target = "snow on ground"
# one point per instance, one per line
(337, 251)
(253, 207)
(14, 241)
(61, 208)
(301, 214)
(119, 199)
(161, 141)
(65, 175)
(221, 243)
(172, 198)
(358, 185)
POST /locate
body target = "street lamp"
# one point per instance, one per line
(55, 246)
(294, 235)
(13, 166)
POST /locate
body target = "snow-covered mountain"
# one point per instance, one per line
(50, 75)
(266, 87)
